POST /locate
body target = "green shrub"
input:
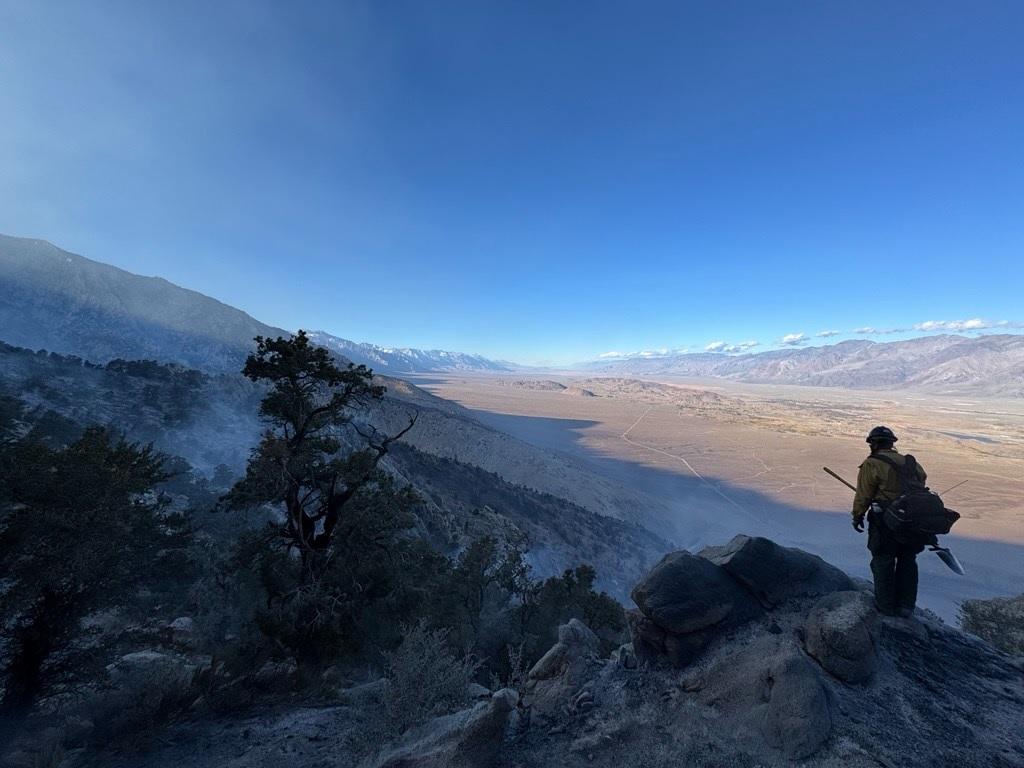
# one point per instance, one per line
(1000, 621)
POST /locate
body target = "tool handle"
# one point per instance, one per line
(837, 477)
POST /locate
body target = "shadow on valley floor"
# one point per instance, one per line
(708, 510)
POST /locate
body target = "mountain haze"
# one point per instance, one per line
(407, 360)
(990, 365)
(62, 302)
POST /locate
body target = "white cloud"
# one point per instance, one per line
(974, 324)
(742, 346)
(793, 339)
(731, 349)
(826, 334)
(872, 331)
(643, 353)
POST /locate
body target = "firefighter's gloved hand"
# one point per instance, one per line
(858, 524)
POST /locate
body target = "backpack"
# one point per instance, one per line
(918, 514)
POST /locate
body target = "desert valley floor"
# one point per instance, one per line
(727, 458)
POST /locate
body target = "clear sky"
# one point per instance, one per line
(536, 181)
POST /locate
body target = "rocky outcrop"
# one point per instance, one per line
(687, 600)
(814, 680)
(839, 634)
(770, 690)
(554, 683)
(684, 594)
(774, 574)
(471, 738)
(683, 602)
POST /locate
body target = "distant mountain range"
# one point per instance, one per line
(55, 300)
(991, 365)
(407, 360)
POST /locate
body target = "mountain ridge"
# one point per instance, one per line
(70, 304)
(397, 360)
(61, 301)
(990, 364)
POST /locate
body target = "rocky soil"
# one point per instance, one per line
(749, 654)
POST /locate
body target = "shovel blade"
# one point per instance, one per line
(949, 559)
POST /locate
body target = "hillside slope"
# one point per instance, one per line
(212, 420)
(812, 676)
(55, 300)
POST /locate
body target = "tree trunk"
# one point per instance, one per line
(24, 671)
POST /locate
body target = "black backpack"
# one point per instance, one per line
(918, 514)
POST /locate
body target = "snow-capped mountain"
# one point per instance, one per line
(407, 360)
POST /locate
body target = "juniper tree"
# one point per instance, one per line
(333, 550)
(302, 462)
(80, 531)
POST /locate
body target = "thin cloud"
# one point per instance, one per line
(793, 339)
(643, 353)
(974, 324)
(716, 346)
(961, 326)
(826, 334)
(872, 331)
(742, 346)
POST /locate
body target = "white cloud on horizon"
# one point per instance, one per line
(731, 349)
(743, 346)
(872, 331)
(974, 324)
(798, 339)
(938, 326)
(793, 339)
(643, 353)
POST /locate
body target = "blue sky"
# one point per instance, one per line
(541, 181)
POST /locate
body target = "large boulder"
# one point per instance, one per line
(796, 716)
(576, 645)
(560, 673)
(770, 693)
(685, 593)
(840, 634)
(684, 602)
(774, 574)
(471, 738)
(653, 645)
